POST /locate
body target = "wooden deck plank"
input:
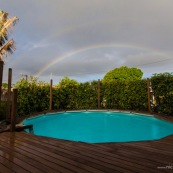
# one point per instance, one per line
(11, 165)
(145, 162)
(22, 152)
(139, 157)
(93, 149)
(4, 169)
(101, 154)
(75, 156)
(18, 162)
(68, 149)
(135, 152)
(24, 156)
(46, 162)
(56, 164)
(36, 158)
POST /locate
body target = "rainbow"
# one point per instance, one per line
(98, 46)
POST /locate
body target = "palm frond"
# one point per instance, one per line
(7, 48)
(5, 24)
(3, 19)
(3, 16)
(8, 24)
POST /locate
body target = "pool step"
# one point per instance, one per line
(18, 128)
(21, 127)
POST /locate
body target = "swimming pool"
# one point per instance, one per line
(100, 127)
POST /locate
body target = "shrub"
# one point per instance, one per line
(162, 85)
(130, 95)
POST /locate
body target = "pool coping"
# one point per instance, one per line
(149, 114)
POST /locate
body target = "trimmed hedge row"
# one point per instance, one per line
(32, 96)
(75, 96)
(127, 95)
(69, 94)
(162, 85)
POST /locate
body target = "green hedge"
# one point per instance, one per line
(75, 95)
(162, 85)
(87, 95)
(69, 94)
(129, 95)
(34, 96)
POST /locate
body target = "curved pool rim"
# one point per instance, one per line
(135, 114)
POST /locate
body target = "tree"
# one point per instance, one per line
(123, 73)
(6, 46)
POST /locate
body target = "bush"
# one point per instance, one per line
(130, 95)
(162, 85)
(117, 94)
(32, 96)
(87, 95)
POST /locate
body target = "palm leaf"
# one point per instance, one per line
(7, 48)
(3, 17)
(8, 24)
(5, 24)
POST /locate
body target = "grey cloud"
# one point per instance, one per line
(48, 29)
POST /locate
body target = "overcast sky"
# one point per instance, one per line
(84, 39)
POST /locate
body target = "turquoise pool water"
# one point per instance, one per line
(100, 127)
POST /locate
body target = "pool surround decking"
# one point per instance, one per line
(21, 152)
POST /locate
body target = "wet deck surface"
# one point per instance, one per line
(21, 152)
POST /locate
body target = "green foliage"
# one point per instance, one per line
(129, 95)
(4, 85)
(65, 94)
(69, 94)
(32, 96)
(87, 95)
(123, 73)
(162, 85)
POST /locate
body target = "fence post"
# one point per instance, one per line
(148, 93)
(14, 111)
(1, 76)
(9, 95)
(50, 105)
(98, 93)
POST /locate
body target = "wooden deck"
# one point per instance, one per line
(21, 152)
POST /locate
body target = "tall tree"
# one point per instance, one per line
(6, 46)
(123, 73)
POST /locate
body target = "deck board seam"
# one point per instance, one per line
(141, 166)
